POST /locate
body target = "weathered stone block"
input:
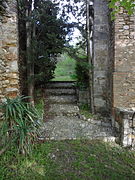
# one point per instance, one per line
(83, 97)
(102, 58)
(124, 117)
(101, 102)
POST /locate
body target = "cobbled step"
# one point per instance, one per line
(64, 110)
(60, 91)
(62, 84)
(67, 99)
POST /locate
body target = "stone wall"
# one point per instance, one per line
(101, 60)
(9, 78)
(124, 122)
(124, 66)
(124, 78)
(114, 59)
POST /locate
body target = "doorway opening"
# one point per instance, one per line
(74, 64)
(55, 41)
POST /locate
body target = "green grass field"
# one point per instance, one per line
(65, 69)
(70, 160)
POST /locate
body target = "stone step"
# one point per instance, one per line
(62, 84)
(109, 139)
(67, 99)
(96, 122)
(60, 91)
(64, 110)
(61, 127)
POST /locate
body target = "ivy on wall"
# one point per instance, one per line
(128, 5)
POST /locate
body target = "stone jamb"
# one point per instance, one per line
(124, 122)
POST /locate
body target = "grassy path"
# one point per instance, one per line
(65, 69)
(70, 160)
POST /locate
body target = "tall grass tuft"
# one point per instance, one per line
(20, 124)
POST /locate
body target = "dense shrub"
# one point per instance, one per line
(82, 74)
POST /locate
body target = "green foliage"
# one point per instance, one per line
(82, 68)
(51, 33)
(84, 107)
(82, 74)
(39, 105)
(74, 159)
(48, 40)
(128, 5)
(20, 124)
(85, 111)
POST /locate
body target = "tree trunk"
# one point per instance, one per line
(30, 63)
(89, 58)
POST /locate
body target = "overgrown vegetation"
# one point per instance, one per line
(128, 5)
(40, 102)
(71, 160)
(20, 124)
(82, 68)
(39, 105)
(82, 74)
(85, 111)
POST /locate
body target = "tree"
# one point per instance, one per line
(51, 38)
(30, 33)
(42, 38)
